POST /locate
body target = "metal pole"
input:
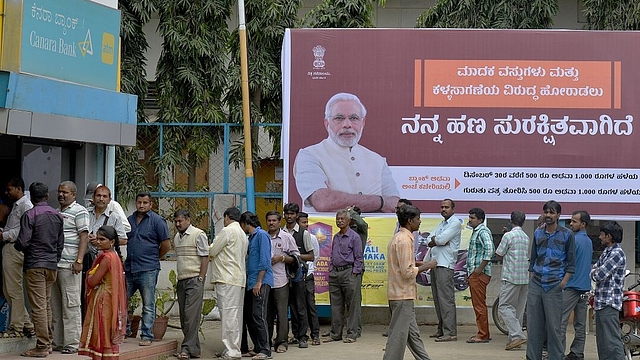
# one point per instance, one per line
(246, 116)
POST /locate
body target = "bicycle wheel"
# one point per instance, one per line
(497, 318)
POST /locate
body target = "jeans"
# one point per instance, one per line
(145, 282)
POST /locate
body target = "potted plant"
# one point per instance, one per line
(164, 303)
(132, 305)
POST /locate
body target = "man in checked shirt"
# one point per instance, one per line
(608, 274)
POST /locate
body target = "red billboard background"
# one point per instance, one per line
(577, 115)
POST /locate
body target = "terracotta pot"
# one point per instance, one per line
(135, 325)
(159, 327)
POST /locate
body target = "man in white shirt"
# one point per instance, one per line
(444, 243)
(338, 172)
(228, 253)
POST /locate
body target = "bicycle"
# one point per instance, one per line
(497, 318)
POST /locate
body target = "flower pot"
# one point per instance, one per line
(135, 325)
(159, 327)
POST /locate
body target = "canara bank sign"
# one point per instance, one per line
(59, 37)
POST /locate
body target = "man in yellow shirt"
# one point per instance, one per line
(401, 288)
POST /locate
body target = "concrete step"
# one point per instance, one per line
(128, 350)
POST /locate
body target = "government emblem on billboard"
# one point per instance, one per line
(318, 53)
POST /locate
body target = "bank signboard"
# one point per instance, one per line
(72, 40)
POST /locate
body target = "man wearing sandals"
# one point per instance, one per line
(13, 261)
(444, 243)
(228, 252)
(479, 268)
(259, 283)
(402, 289)
(192, 255)
(345, 267)
(41, 240)
(65, 295)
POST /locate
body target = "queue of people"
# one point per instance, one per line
(77, 283)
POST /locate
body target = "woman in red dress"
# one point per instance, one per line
(105, 322)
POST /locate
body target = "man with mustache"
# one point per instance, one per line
(338, 172)
(551, 265)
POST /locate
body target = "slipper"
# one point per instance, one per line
(67, 350)
(35, 353)
(326, 333)
(474, 340)
(281, 349)
(197, 356)
(435, 335)
(293, 341)
(261, 356)
(316, 342)
(145, 343)
(446, 339)
(181, 355)
(330, 339)
(250, 354)
(349, 340)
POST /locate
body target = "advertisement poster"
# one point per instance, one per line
(499, 119)
(374, 281)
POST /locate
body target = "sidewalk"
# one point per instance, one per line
(369, 346)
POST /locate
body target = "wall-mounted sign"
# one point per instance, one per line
(71, 40)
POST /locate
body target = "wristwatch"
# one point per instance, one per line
(200, 279)
(79, 261)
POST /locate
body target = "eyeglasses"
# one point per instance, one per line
(341, 118)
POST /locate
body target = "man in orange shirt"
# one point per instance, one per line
(401, 288)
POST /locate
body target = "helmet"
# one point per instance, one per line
(296, 270)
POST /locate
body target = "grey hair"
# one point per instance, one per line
(342, 97)
(345, 212)
(70, 185)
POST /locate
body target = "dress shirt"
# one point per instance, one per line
(448, 231)
(259, 258)
(346, 249)
(355, 170)
(608, 273)
(229, 253)
(514, 248)
(401, 269)
(282, 244)
(552, 255)
(480, 249)
(12, 228)
(580, 281)
(144, 239)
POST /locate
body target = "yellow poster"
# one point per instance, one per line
(374, 281)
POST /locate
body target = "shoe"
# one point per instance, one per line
(572, 356)
(35, 353)
(293, 341)
(303, 344)
(145, 342)
(349, 340)
(475, 340)
(434, 335)
(515, 344)
(326, 333)
(316, 342)
(385, 333)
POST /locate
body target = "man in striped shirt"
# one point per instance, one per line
(401, 288)
(513, 249)
(65, 295)
(608, 273)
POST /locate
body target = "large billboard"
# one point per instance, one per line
(500, 119)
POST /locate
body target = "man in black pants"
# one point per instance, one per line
(297, 293)
(310, 284)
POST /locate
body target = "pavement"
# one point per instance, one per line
(370, 346)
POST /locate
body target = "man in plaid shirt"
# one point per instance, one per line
(479, 268)
(608, 274)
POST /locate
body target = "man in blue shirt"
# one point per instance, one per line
(259, 283)
(551, 264)
(608, 273)
(572, 299)
(148, 241)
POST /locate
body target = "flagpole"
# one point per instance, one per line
(246, 115)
